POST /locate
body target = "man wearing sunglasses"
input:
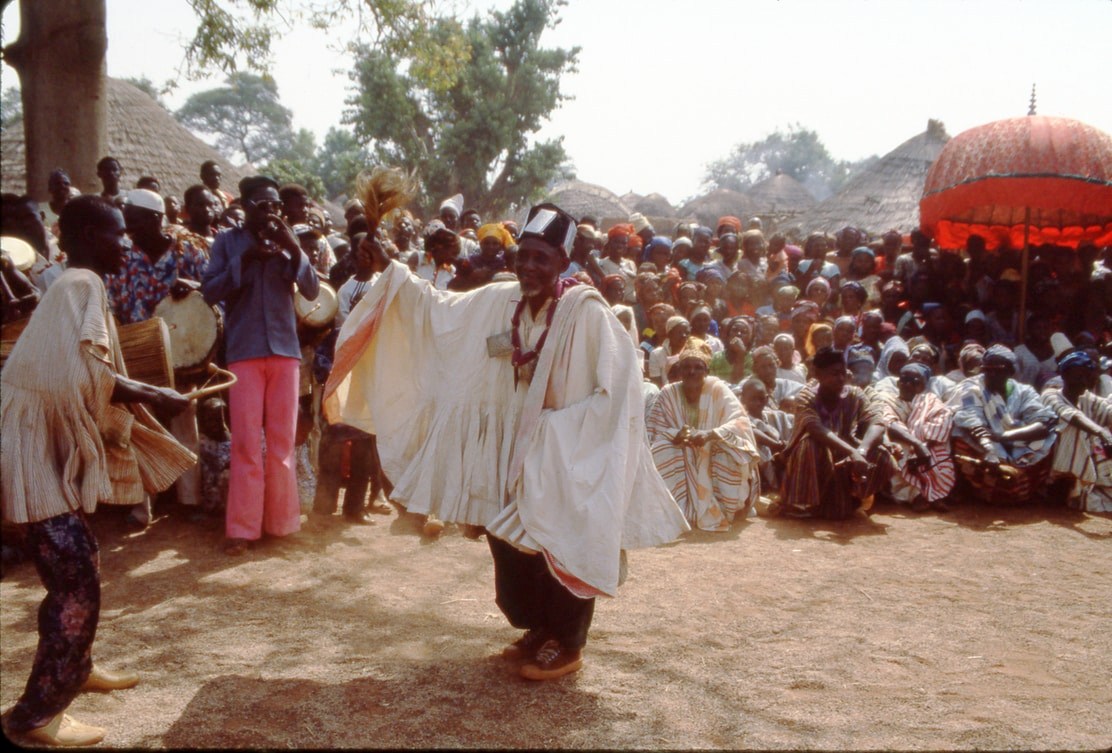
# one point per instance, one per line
(252, 272)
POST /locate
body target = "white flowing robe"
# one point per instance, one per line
(558, 464)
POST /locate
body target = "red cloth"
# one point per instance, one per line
(623, 228)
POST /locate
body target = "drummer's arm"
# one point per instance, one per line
(162, 399)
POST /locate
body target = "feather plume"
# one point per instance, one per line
(383, 191)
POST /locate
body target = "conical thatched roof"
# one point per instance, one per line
(719, 203)
(631, 198)
(144, 137)
(886, 195)
(578, 198)
(653, 205)
(780, 194)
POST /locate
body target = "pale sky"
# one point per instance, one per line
(665, 87)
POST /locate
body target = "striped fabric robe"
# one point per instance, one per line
(929, 420)
(1080, 455)
(65, 446)
(715, 482)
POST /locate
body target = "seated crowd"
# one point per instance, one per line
(807, 375)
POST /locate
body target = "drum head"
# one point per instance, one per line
(194, 329)
(19, 251)
(319, 312)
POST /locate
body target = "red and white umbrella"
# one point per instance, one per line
(1035, 179)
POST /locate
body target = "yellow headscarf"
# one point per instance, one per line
(495, 230)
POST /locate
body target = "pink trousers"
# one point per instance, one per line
(264, 400)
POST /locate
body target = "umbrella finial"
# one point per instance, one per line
(1031, 109)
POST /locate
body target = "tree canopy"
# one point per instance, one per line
(149, 88)
(244, 116)
(476, 135)
(235, 34)
(798, 152)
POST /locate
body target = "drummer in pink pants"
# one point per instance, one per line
(252, 271)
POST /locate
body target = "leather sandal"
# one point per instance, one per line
(551, 661)
(103, 679)
(65, 731)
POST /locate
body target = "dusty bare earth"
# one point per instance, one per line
(979, 629)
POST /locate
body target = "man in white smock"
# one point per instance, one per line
(541, 439)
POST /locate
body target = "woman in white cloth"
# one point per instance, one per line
(703, 445)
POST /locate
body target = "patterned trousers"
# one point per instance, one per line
(67, 558)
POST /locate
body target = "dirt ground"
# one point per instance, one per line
(978, 629)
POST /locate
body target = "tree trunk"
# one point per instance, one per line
(60, 58)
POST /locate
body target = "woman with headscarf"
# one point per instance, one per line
(818, 290)
(792, 367)
(766, 367)
(893, 356)
(701, 327)
(834, 462)
(1004, 429)
(969, 362)
(735, 362)
(844, 331)
(923, 351)
(480, 268)
(1083, 452)
(919, 423)
(676, 331)
(814, 263)
(862, 270)
(804, 315)
(852, 299)
(689, 294)
(703, 445)
(659, 252)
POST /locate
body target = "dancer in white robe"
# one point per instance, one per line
(540, 438)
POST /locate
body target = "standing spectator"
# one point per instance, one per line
(252, 272)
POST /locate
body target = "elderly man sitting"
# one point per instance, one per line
(919, 424)
(1003, 433)
(703, 445)
(1083, 453)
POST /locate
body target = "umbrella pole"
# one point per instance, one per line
(1023, 275)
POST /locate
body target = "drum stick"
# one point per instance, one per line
(206, 391)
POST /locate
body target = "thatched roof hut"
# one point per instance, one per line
(144, 137)
(781, 196)
(886, 195)
(719, 203)
(653, 205)
(578, 198)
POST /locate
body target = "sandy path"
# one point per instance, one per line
(983, 628)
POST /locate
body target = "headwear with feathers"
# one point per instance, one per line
(383, 190)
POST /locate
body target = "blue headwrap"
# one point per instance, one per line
(863, 250)
(706, 272)
(918, 368)
(1000, 353)
(657, 241)
(1076, 358)
(854, 286)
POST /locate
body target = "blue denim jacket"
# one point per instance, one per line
(257, 295)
